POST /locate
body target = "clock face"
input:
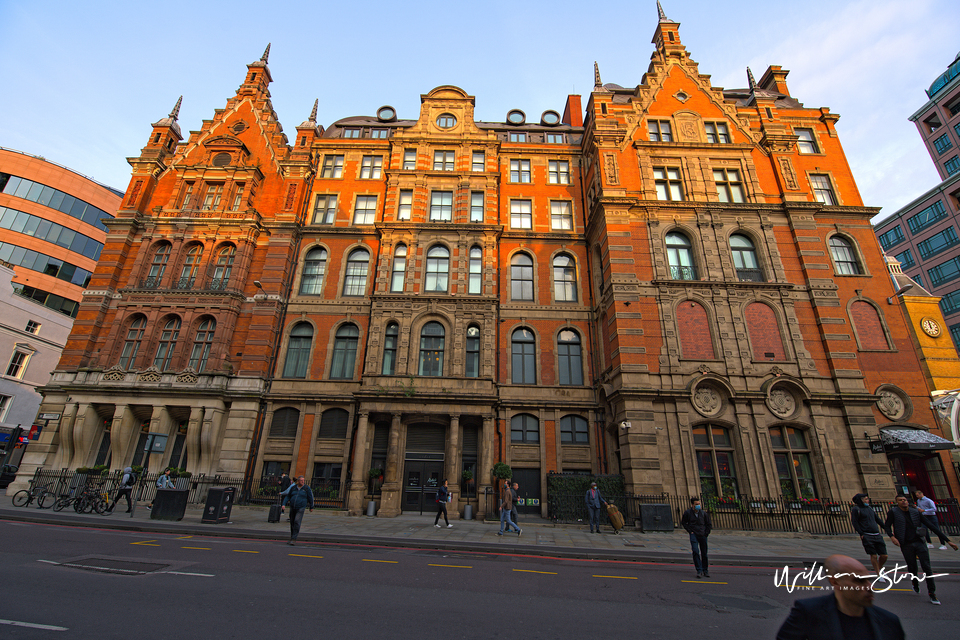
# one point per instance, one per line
(930, 327)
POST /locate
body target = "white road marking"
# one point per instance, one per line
(45, 627)
(184, 573)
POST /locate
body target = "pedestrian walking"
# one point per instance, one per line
(514, 514)
(928, 509)
(905, 526)
(298, 497)
(593, 498)
(442, 494)
(867, 523)
(285, 483)
(847, 612)
(163, 482)
(696, 521)
(127, 480)
(506, 506)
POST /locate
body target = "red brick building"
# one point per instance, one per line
(678, 285)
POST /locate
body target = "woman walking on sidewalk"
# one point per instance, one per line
(442, 494)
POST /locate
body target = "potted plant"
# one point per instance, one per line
(502, 471)
(467, 476)
(376, 472)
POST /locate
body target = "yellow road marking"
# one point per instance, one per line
(708, 582)
(184, 537)
(300, 555)
(244, 551)
(389, 561)
(549, 573)
(452, 566)
(620, 577)
(197, 548)
(145, 544)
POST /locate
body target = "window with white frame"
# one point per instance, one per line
(352, 132)
(668, 183)
(729, 186)
(355, 278)
(521, 277)
(660, 131)
(554, 138)
(441, 206)
(211, 200)
(238, 190)
(844, 258)
(370, 167)
(332, 167)
(717, 132)
(325, 209)
(380, 133)
(32, 327)
(5, 402)
(409, 159)
(438, 269)
(476, 206)
(366, 210)
(561, 215)
(476, 271)
(405, 205)
(314, 270)
(558, 172)
(479, 163)
(518, 137)
(564, 278)
(18, 363)
(806, 143)
(521, 214)
(822, 190)
(519, 171)
(399, 268)
(443, 160)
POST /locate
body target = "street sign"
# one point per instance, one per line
(876, 446)
(156, 443)
(49, 416)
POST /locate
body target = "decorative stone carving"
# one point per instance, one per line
(781, 402)
(114, 374)
(610, 168)
(704, 369)
(891, 404)
(789, 175)
(707, 401)
(150, 374)
(188, 376)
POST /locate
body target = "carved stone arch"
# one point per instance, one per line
(894, 403)
(759, 335)
(695, 348)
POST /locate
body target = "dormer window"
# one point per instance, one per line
(352, 132)
(446, 121)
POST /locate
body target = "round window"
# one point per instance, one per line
(221, 159)
(386, 113)
(516, 117)
(446, 121)
(550, 117)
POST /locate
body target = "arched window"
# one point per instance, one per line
(131, 347)
(745, 259)
(868, 326)
(333, 424)
(438, 269)
(693, 329)
(792, 455)
(680, 257)
(399, 268)
(844, 257)
(569, 358)
(355, 282)
(314, 270)
(564, 278)
(524, 361)
(167, 344)
(191, 266)
(202, 344)
(472, 364)
(431, 349)
(285, 423)
(298, 351)
(521, 277)
(524, 428)
(574, 430)
(475, 286)
(221, 273)
(764, 332)
(345, 352)
(390, 338)
(715, 461)
(158, 267)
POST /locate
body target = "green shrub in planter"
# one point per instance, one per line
(502, 471)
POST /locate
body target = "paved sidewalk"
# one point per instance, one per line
(540, 537)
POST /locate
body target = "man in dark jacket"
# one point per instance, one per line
(299, 497)
(867, 523)
(696, 521)
(848, 612)
(593, 500)
(905, 526)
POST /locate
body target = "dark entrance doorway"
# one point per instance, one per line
(529, 490)
(421, 479)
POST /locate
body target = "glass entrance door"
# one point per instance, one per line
(421, 480)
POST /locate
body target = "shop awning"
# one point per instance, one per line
(912, 440)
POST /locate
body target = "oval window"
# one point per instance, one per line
(221, 159)
(550, 117)
(446, 121)
(516, 117)
(386, 113)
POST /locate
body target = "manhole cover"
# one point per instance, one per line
(112, 565)
(734, 602)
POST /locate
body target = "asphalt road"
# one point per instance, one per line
(80, 583)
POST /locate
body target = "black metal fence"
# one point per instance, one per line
(748, 513)
(265, 491)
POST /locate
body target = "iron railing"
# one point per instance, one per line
(683, 273)
(750, 275)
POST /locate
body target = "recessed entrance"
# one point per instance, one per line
(423, 467)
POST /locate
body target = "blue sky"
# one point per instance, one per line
(83, 81)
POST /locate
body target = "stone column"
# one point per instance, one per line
(358, 484)
(390, 492)
(194, 425)
(484, 465)
(451, 458)
(65, 452)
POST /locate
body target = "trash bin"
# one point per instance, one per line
(656, 517)
(371, 508)
(468, 512)
(169, 504)
(218, 506)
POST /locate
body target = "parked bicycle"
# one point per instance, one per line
(39, 493)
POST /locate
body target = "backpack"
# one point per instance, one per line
(129, 479)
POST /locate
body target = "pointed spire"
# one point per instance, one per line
(313, 114)
(266, 54)
(660, 14)
(176, 109)
(597, 84)
(750, 80)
